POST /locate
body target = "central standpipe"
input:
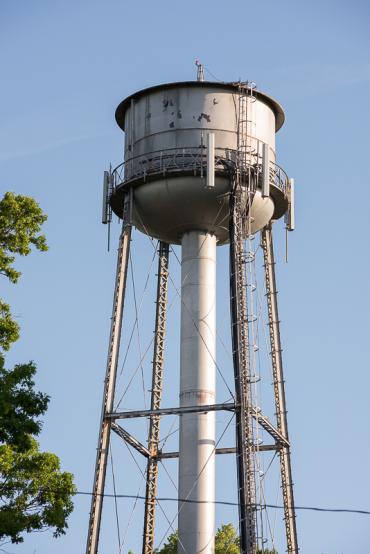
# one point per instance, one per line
(197, 386)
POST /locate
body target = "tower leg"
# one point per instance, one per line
(240, 347)
(156, 396)
(197, 387)
(279, 391)
(109, 388)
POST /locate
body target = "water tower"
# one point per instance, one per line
(200, 171)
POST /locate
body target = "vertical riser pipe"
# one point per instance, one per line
(197, 387)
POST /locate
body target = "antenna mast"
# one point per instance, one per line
(200, 71)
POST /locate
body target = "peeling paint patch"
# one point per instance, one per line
(215, 101)
(172, 124)
(179, 114)
(204, 116)
(167, 102)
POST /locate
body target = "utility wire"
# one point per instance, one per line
(141, 302)
(216, 502)
(138, 497)
(115, 499)
(229, 503)
(138, 336)
(180, 501)
(187, 308)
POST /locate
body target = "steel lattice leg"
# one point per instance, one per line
(240, 342)
(279, 391)
(109, 389)
(156, 396)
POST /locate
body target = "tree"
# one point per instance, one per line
(9, 329)
(226, 542)
(170, 547)
(34, 493)
(20, 405)
(21, 219)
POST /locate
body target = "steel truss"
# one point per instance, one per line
(241, 197)
(109, 390)
(240, 348)
(240, 222)
(279, 391)
(245, 412)
(241, 190)
(156, 397)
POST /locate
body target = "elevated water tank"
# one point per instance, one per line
(165, 156)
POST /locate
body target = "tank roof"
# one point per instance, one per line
(275, 106)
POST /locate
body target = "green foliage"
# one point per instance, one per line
(20, 405)
(9, 329)
(170, 547)
(226, 542)
(35, 494)
(21, 219)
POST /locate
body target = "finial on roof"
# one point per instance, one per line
(200, 71)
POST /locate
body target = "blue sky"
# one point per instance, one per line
(65, 66)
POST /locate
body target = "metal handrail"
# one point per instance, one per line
(191, 159)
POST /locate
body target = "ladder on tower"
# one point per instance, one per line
(239, 213)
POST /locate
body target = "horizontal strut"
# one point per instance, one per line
(132, 441)
(262, 420)
(228, 406)
(229, 450)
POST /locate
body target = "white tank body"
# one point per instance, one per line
(166, 131)
(176, 117)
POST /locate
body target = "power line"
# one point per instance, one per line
(8, 488)
(229, 503)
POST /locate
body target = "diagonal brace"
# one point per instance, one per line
(269, 427)
(127, 437)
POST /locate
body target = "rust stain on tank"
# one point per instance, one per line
(203, 397)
